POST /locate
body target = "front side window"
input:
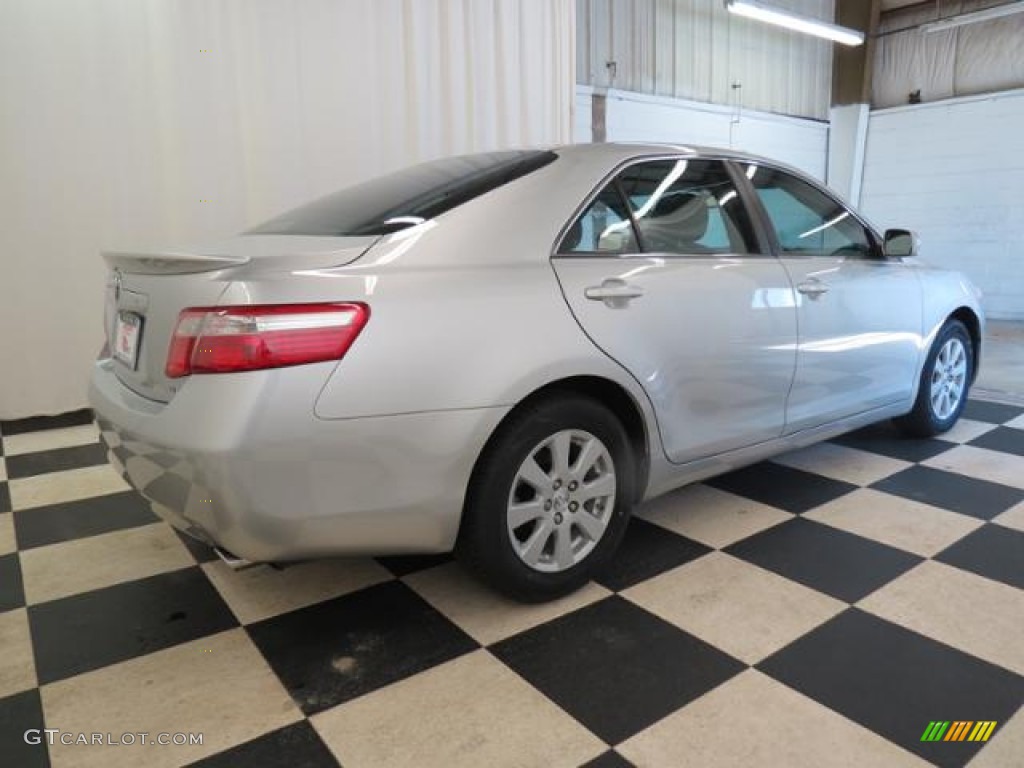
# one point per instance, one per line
(688, 207)
(807, 222)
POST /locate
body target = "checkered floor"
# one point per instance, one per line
(818, 610)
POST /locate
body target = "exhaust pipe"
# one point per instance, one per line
(233, 562)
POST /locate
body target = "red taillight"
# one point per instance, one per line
(248, 338)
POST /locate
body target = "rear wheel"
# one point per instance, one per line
(945, 381)
(549, 500)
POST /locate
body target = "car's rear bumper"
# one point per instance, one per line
(241, 461)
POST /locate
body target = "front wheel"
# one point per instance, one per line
(945, 381)
(549, 500)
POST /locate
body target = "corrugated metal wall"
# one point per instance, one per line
(695, 49)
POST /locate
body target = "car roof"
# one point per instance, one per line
(614, 153)
(624, 150)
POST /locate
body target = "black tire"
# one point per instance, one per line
(923, 421)
(485, 541)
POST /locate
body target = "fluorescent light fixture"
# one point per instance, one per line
(783, 18)
(951, 22)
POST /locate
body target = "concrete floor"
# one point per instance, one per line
(1002, 364)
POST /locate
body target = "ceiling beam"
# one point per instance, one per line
(851, 67)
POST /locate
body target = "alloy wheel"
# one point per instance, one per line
(949, 378)
(561, 501)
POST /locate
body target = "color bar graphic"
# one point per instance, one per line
(958, 730)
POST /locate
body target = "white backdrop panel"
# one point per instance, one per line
(136, 122)
(954, 171)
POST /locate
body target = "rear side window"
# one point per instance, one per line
(688, 207)
(605, 227)
(678, 206)
(407, 197)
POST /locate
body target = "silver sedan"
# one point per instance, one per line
(503, 353)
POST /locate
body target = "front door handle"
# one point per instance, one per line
(614, 292)
(812, 288)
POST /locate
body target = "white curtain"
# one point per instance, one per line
(131, 123)
(977, 58)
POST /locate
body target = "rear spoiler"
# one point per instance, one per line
(170, 263)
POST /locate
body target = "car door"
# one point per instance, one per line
(859, 313)
(665, 273)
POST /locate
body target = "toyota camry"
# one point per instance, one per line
(502, 354)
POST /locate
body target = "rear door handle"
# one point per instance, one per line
(812, 288)
(614, 292)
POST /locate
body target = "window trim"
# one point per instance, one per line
(768, 227)
(638, 236)
(764, 234)
(762, 241)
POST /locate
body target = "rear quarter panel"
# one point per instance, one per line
(442, 338)
(466, 311)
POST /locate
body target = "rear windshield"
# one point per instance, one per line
(407, 197)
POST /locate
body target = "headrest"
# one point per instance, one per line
(685, 213)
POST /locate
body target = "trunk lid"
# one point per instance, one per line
(147, 289)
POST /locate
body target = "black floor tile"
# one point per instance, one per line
(646, 551)
(165, 459)
(884, 439)
(20, 713)
(1004, 439)
(991, 551)
(169, 489)
(993, 413)
(337, 650)
(615, 667)
(122, 454)
(12, 593)
(294, 746)
(403, 565)
(827, 559)
(784, 487)
(610, 759)
(55, 460)
(203, 553)
(948, 490)
(36, 423)
(77, 519)
(5, 497)
(895, 682)
(82, 632)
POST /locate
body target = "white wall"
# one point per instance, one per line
(640, 117)
(582, 116)
(132, 122)
(848, 128)
(954, 171)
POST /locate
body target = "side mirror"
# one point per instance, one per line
(899, 243)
